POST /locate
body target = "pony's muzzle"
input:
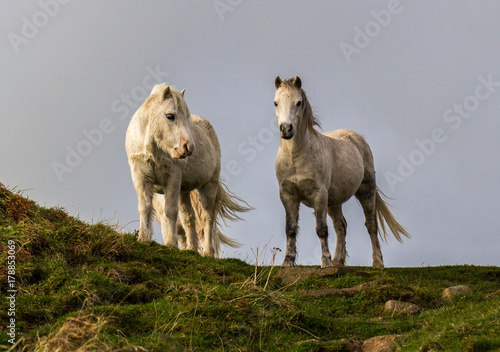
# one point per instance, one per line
(286, 130)
(184, 149)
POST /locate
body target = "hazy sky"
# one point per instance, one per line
(419, 79)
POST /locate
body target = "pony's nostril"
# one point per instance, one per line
(285, 127)
(185, 147)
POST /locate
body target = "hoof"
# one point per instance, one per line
(191, 248)
(209, 253)
(378, 266)
(171, 244)
(327, 264)
(287, 264)
(337, 264)
(144, 239)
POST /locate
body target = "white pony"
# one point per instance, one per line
(323, 171)
(172, 153)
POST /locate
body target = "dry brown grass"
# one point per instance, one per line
(77, 334)
(14, 205)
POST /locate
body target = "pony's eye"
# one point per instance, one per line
(275, 104)
(170, 117)
(299, 103)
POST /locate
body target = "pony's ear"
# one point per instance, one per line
(166, 93)
(182, 92)
(277, 82)
(297, 82)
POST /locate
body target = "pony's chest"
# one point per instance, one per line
(159, 171)
(304, 189)
(153, 167)
(300, 169)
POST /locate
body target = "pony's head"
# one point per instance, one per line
(169, 121)
(292, 107)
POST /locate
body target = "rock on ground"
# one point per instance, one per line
(384, 343)
(379, 344)
(399, 307)
(457, 291)
(290, 276)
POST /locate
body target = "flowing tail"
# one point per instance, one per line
(383, 213)
(227, 207)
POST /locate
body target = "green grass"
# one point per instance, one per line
(89, 288)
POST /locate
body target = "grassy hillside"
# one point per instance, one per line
(84, 287)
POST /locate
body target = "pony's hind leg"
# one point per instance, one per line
(340, 226)
(188, 221)
(291, 205)
(208, 194)
(181, 234)
(367, 200)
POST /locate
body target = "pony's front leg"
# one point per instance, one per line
(320, 212)
(189, 221)
(291, 205)
(144, 207)
(169, 221)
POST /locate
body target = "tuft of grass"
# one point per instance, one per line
(80, 333)
(14, 205)
(87, 287)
